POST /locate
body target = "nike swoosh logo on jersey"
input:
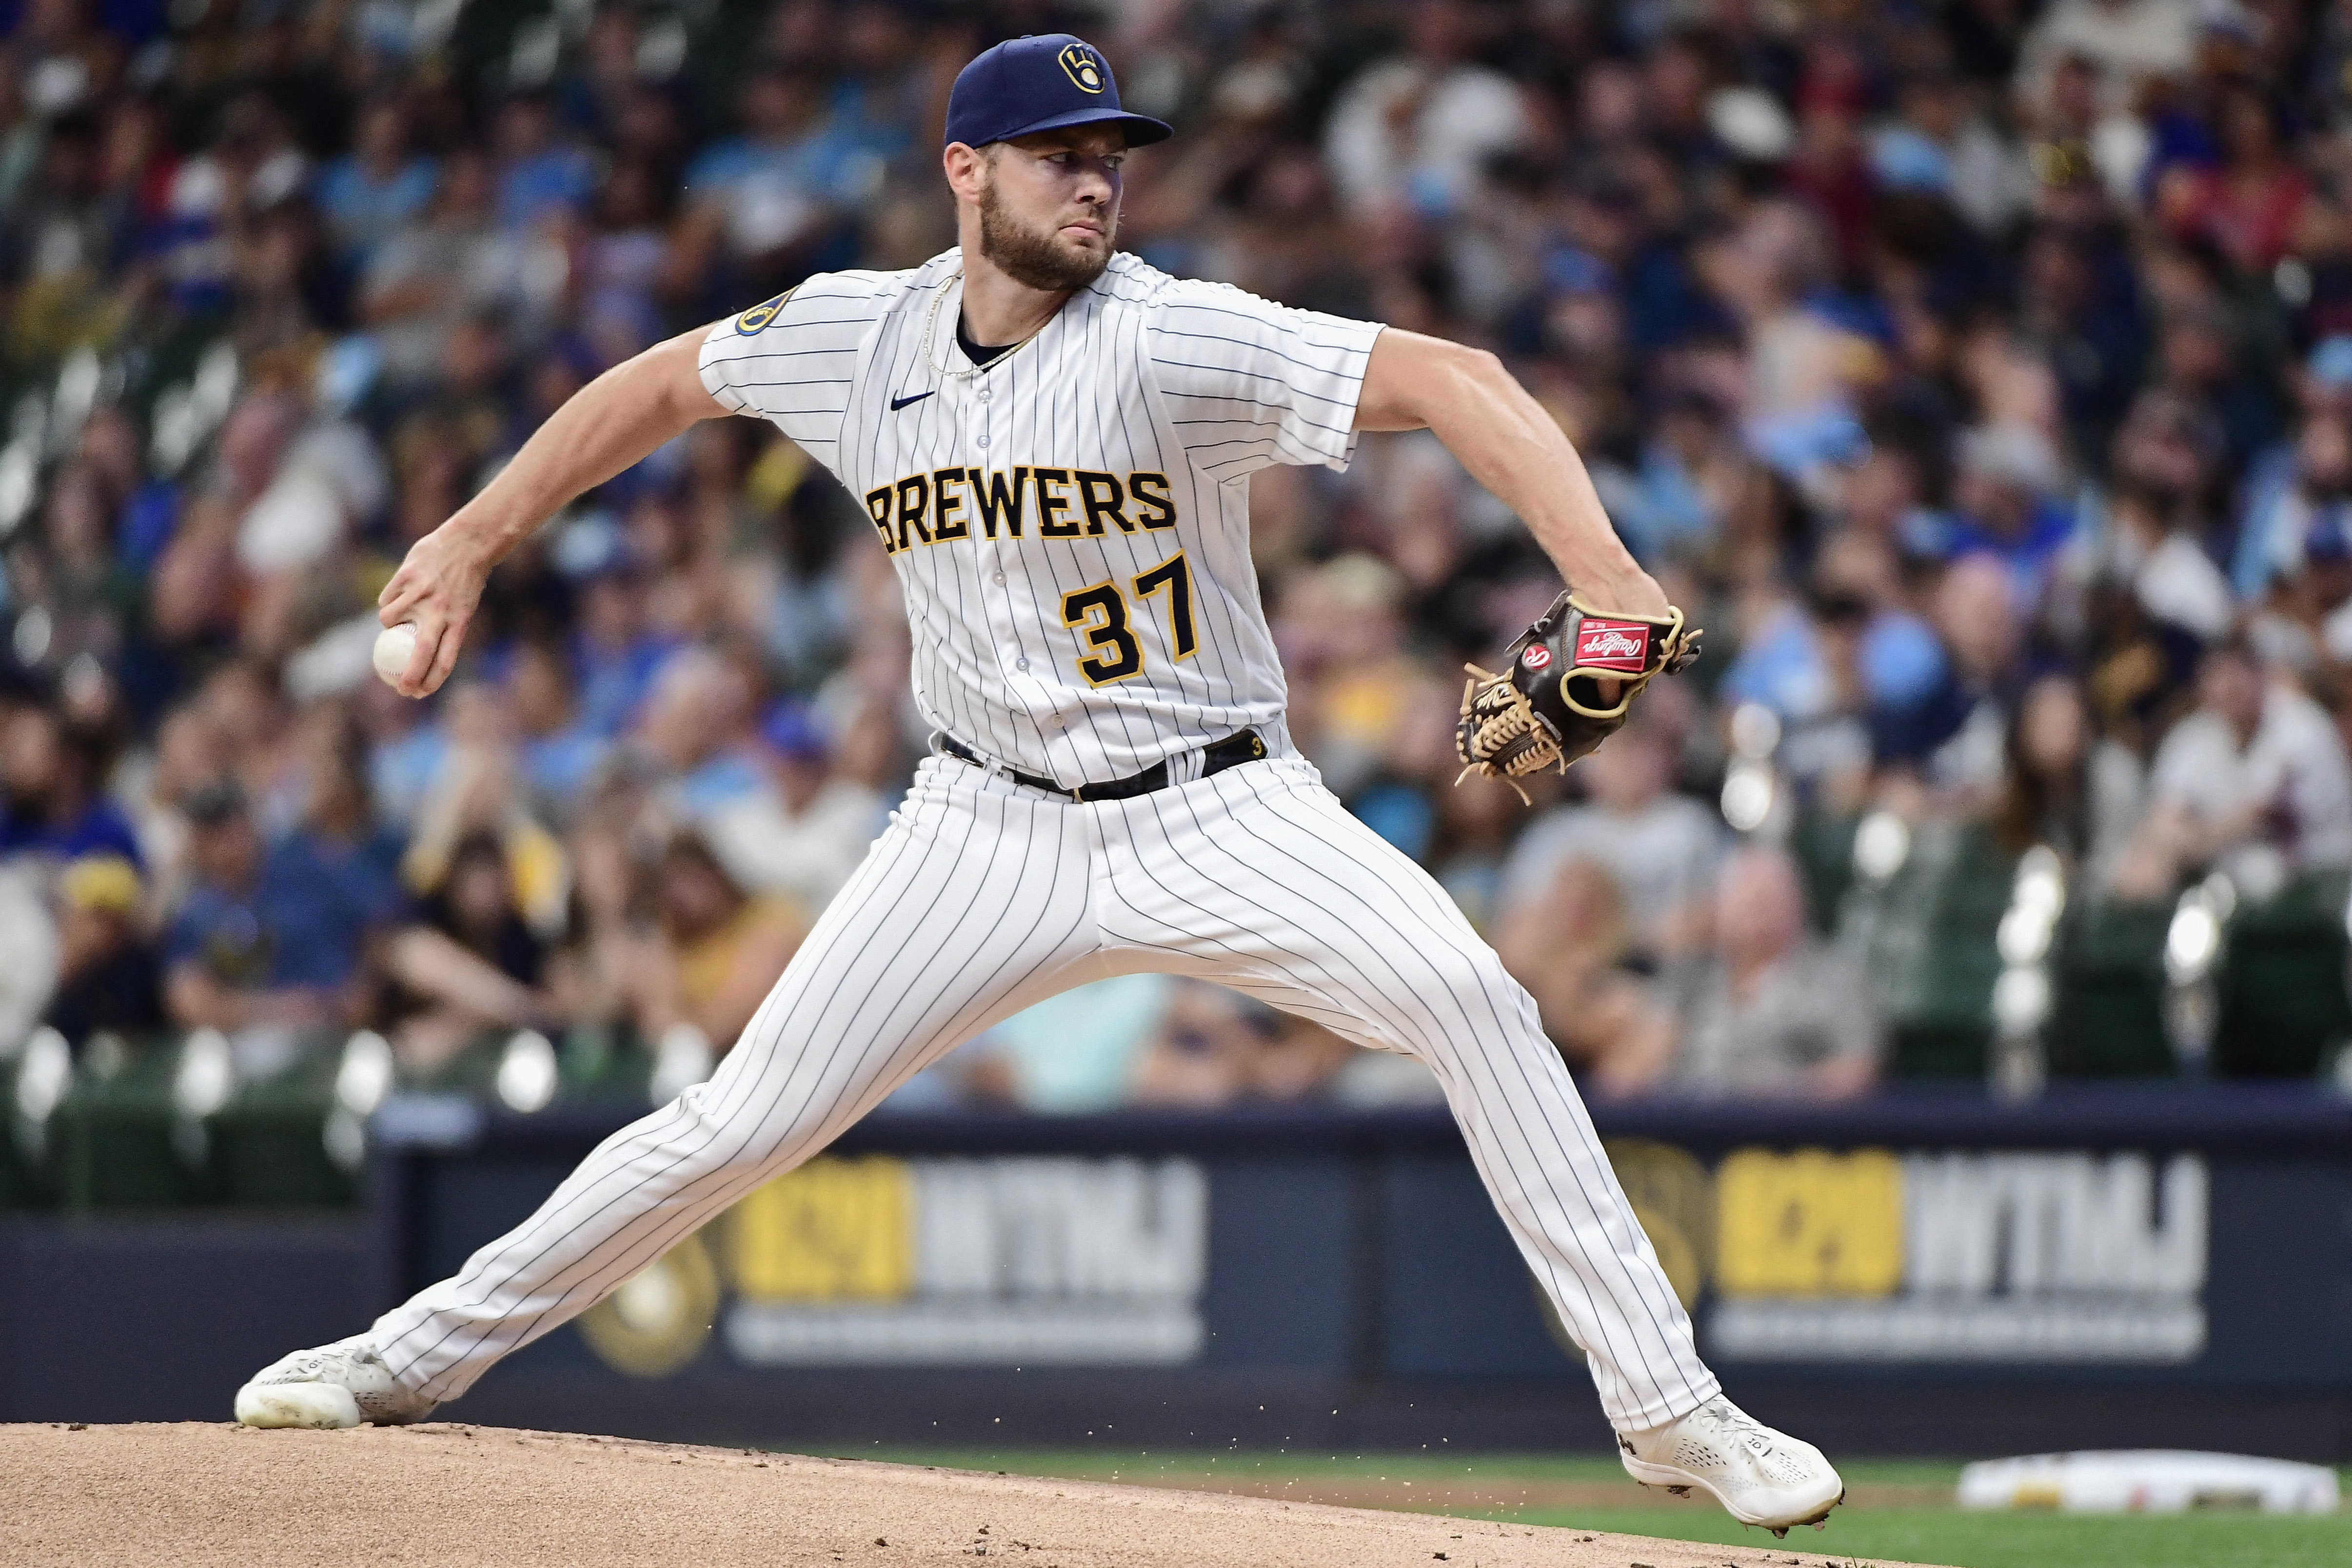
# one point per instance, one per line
(898, 402)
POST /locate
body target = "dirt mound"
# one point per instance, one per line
(446, 1493)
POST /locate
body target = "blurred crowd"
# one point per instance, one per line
(1978, 373)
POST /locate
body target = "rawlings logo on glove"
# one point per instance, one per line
(1612, 645)
(1549, 710)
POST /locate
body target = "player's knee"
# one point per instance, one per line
(1468, 984)
(1472, 974)
(710, 1131)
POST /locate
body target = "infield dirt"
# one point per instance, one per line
(446, 1493)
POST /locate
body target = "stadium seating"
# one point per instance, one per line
(2283, 983)
(269, 1146)
(1927, 934)
(2108, 1019)
(20, 1185)
(119, 1141)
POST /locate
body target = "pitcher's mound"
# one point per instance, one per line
(446, 1493)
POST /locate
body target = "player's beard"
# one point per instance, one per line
(1039, 261)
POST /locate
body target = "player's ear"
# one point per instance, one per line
(967, 170)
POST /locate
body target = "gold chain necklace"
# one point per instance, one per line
(931, 322)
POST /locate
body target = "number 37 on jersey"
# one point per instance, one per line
(949, 504)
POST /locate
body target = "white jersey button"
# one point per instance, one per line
(1020, 664)
(983, 440)
(985, 394)
(1000, 578)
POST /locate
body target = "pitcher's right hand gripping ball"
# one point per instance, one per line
(1548, 709)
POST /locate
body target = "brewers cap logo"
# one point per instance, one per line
(1085, 68)
(758, 316)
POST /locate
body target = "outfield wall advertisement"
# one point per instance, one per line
(1953, 1257)
(1811, 1256)
(2165, 1266)
(887, 1262)
(1927, 1256)
(1366, 1248)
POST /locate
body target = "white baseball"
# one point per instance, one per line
(392, 647)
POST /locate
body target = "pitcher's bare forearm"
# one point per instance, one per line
(605, 428)
(1503, 437)
(607, 425)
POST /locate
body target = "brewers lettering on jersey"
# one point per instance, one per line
(1053, 443)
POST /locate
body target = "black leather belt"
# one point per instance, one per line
(1230, 753)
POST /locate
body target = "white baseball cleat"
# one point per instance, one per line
(1761, 1476)
(341, 1384)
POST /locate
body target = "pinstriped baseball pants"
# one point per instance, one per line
(984, 896)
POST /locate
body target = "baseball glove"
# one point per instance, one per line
(1548, 710)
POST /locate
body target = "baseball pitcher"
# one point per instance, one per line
(1053, 443)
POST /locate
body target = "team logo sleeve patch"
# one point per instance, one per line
(758, 316)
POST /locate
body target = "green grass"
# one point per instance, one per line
(2008, 1540)
(1898, 1512)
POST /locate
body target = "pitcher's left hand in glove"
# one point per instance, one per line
(1549, 708)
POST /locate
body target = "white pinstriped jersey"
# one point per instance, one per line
(1071, 524)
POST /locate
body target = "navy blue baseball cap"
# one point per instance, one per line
(1043, 82)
